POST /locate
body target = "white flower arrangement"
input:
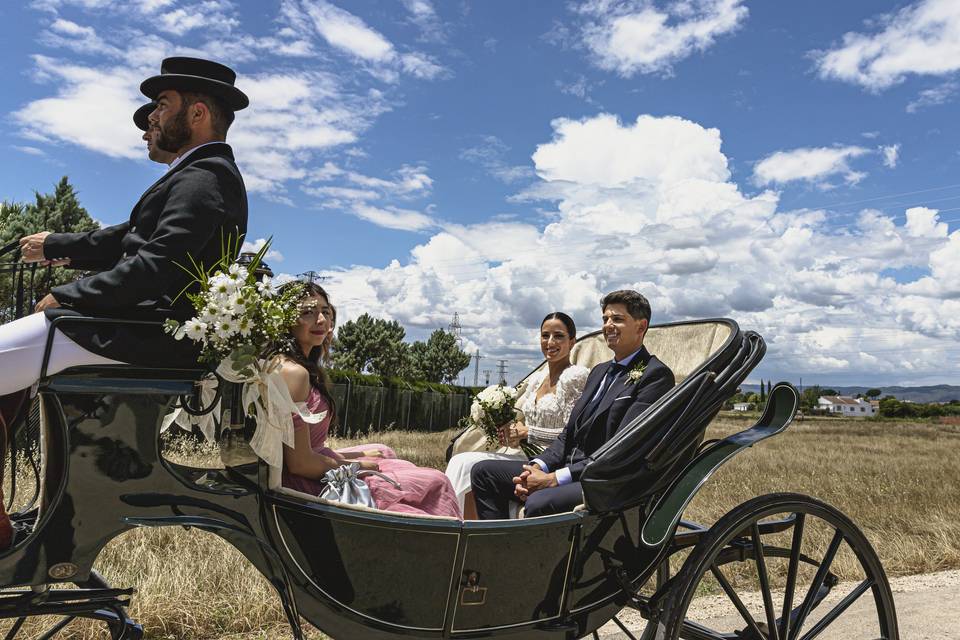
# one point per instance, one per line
(238, 318)
(239, 322)
(492, 408)
(636, 373)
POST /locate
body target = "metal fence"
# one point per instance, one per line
(362, 408)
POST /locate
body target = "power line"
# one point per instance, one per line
(476, 368)
(313, 276)
(502, 371)
(456, 328)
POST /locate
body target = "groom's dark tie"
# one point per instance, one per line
(609, 379)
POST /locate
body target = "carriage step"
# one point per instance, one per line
(62, 601)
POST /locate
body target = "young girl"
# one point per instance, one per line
(421, 491)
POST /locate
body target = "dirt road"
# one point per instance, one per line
(928, 607)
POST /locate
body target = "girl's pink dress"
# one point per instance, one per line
(422, 490)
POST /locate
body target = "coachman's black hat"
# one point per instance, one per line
(194, 74)
(141, 116)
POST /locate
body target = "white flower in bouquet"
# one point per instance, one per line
(195, 329)
(266, 287)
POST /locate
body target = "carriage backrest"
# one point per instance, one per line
(685, 347)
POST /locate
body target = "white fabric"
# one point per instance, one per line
(545, 419)
(22, 343)
(180, 159)
(460, 466)
(265, 394)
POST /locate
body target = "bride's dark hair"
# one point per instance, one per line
(291, 349)
(565, 319)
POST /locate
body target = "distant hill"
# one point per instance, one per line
(933, 393)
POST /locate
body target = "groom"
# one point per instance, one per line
(616, 392)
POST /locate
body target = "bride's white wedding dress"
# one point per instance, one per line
(545, 419)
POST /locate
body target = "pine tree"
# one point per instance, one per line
(59, 212)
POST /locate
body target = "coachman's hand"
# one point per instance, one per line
(47, 302)
(367, 465)
(31, 247)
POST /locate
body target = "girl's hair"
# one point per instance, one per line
(326, 358)
(565, 319)
(290, 348)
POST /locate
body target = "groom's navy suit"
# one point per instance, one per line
(610, 400)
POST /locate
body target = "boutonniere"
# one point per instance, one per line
(634, 375)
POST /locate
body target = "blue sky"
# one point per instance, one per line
(505, 159)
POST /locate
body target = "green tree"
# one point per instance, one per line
(371, 345)
(873, 393)
(763, 392)
(58, 212)
(439, 359)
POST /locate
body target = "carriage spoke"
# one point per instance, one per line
(764, 582)
(737, 602)
(794, 566)
(13, 630)
(838, 610)
(818, 579)
(623, 628)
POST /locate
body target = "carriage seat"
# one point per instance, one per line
(683, 346)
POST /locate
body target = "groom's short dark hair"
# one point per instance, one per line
(637, 305)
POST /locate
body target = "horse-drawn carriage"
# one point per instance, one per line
(356, 572)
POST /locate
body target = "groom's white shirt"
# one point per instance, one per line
(563, 474)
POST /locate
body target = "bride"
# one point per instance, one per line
(545, 404)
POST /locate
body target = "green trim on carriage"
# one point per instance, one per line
(776, 417)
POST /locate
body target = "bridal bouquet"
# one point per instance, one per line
(493, 408)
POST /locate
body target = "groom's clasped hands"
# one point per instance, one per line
(532, 479)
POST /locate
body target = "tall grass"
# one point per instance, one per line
(898, 481)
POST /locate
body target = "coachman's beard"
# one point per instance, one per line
(175, 134)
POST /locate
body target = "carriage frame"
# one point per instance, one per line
(100, 472)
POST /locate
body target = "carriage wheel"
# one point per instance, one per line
(781, 567)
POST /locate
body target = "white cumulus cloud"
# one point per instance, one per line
(649, 204)
(641, 37)
(810, 164)
(922, 38)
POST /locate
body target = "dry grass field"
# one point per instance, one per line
(897, 480)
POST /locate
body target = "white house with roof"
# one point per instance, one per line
(847, 406)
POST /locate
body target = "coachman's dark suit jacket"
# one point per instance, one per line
(587, 430)
(190, 211)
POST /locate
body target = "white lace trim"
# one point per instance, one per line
(548, 417)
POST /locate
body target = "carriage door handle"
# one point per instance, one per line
(471, 593)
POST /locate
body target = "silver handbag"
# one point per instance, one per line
(344, 485)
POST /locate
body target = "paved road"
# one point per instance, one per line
(928, 607)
